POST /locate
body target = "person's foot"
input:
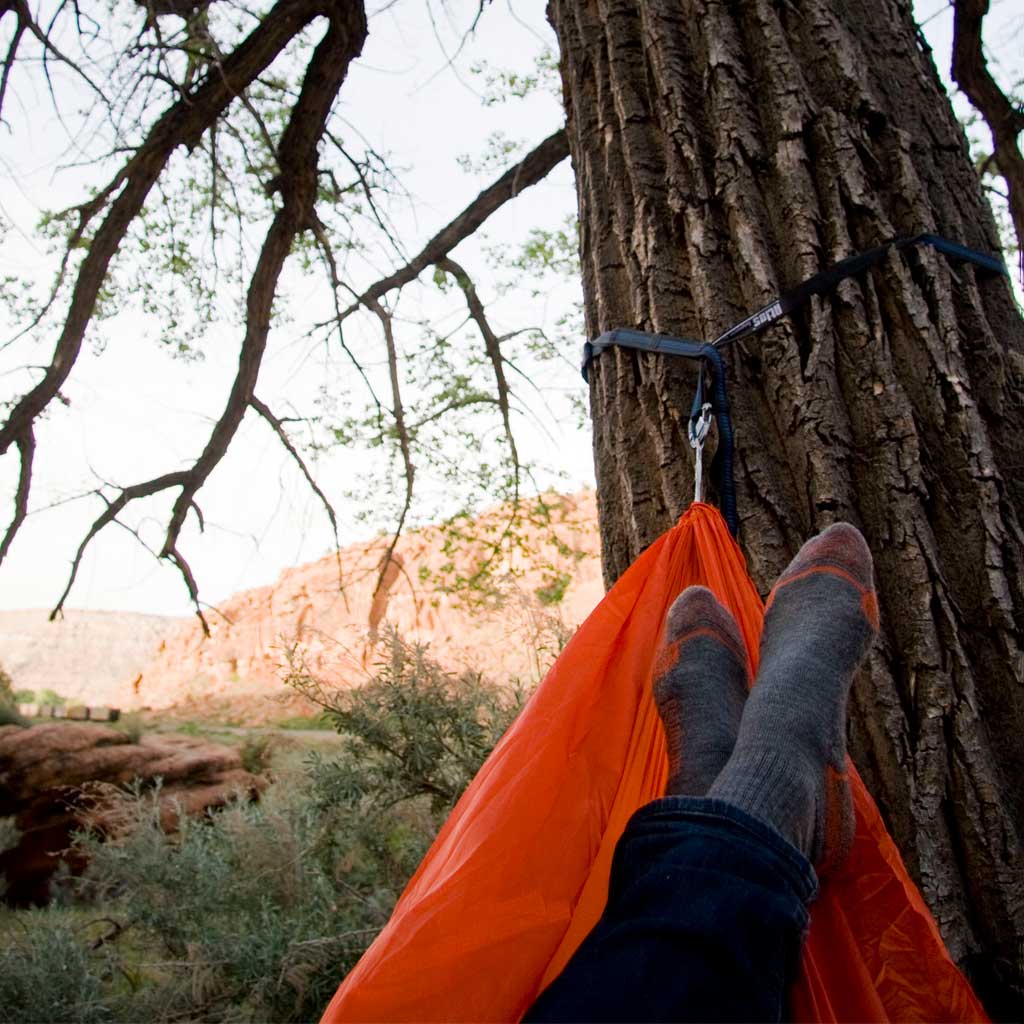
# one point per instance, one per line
(700, 686)
(788, 767)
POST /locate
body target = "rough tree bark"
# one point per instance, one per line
(723, 153)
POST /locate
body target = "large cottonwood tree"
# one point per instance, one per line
(723, 153)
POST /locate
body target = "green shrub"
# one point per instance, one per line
(24, 696)
(414, 730)
(132, 724)
(6, 685)
(8, 702)
(257, 751)
(47, 973)
(9, 715)
(51, 697)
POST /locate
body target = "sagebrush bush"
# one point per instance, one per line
(47, 973)
(256, 913)
(414, 730)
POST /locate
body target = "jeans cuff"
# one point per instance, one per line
(703, 810)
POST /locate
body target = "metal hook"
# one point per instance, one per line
(698, 431)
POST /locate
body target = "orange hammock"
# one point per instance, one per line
(519, 874)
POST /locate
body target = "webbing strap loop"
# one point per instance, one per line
(827, 279)
(722, 464)
(709, 353)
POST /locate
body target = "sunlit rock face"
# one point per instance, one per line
(329, 618)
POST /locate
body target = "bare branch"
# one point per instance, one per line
(141, 490)
(401, 430)
(297, 186)
(277, 425)
(27, 450)
(296, 183)
(1006, 122)
(12, 52)
(534, 167)
(50, 48)
(367, 189)
(190, 582)
(492, 344)
(336, 284)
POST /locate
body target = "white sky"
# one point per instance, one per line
(135, 412)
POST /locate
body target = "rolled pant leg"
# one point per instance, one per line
(706, 915)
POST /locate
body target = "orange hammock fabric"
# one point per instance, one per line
(518, 875)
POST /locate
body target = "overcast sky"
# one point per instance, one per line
(135, 412)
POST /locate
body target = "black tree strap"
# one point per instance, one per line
(709, 354)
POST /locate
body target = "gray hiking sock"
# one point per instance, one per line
(788, 767)
(700, 687)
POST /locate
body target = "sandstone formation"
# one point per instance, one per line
(538, 589)
(52, 780)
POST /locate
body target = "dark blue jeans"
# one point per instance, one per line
(706, 916)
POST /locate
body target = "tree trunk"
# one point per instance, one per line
(724, 153)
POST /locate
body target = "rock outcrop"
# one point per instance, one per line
(51, 779)
(328, 615)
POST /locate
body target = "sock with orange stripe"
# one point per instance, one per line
(700, 687)
(788, 767)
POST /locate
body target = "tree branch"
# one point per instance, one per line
(297, 185)
(12, 52)
(26, 449)
(535, 166)
(182, 124)
(145, 489)
(401, 430)
(970, 71)
(278, 427)
(492, 344)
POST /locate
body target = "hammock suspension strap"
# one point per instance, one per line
(715, 400)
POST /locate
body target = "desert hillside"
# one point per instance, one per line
(330, 625)
(328, 616)
(82, 656)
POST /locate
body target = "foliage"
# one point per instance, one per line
(256, 752)
(132, 725)
(9, 714)
(257, 912)
(413, 731)
(553, 591)
(47, 973)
